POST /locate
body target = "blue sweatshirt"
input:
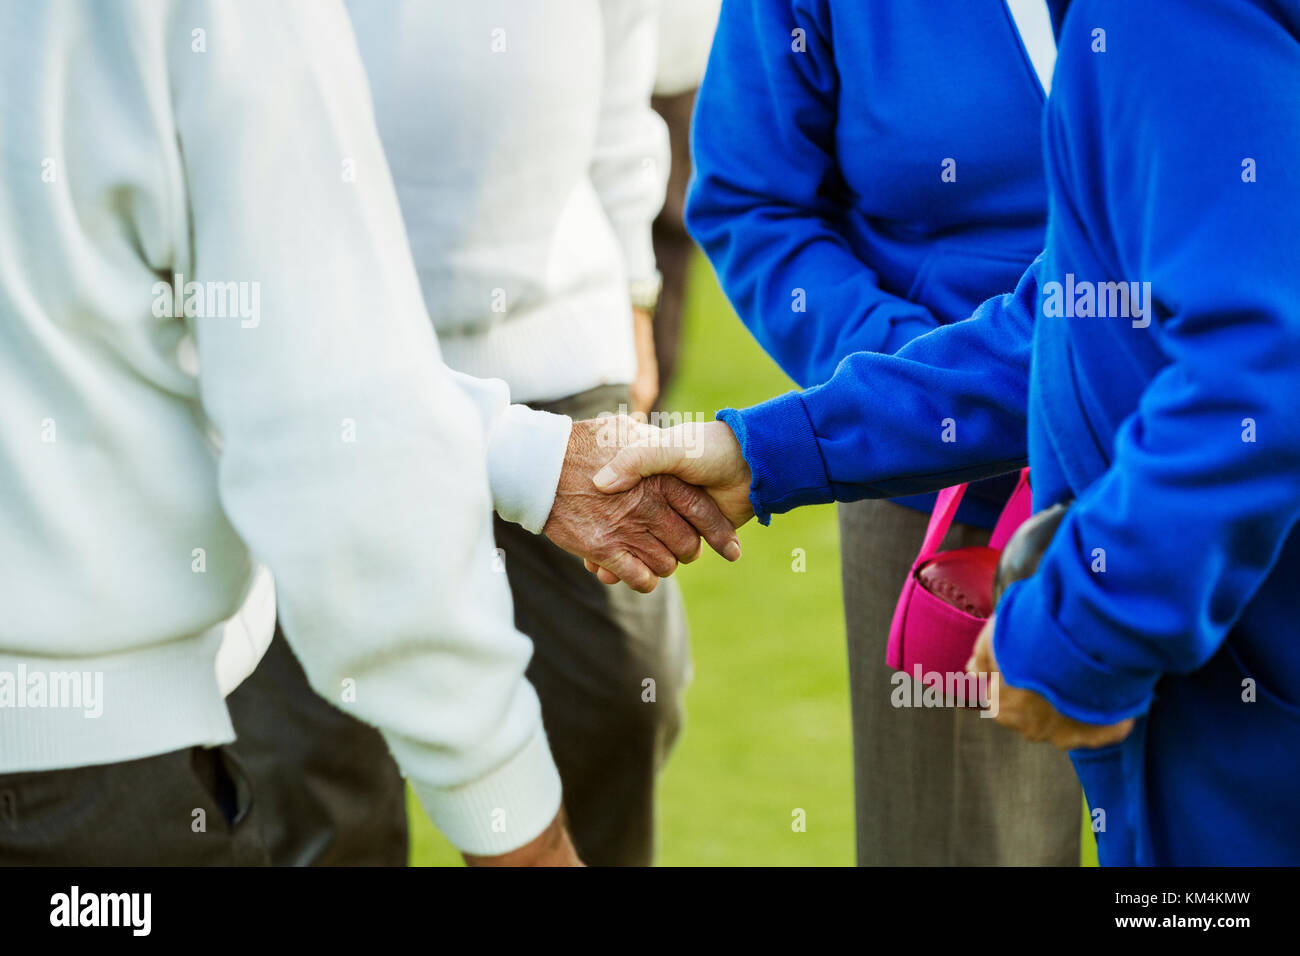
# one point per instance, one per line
(1169, 592)
(865, 173)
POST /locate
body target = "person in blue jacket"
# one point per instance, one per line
(865, 173)
(1158, 638)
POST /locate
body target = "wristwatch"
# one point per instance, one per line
(645, 292)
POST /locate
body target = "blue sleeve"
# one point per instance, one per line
(948, 407)
(1204, 484)
(762, 203)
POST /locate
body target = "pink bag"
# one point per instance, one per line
(948, 596)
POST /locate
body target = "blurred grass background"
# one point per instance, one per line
(767, 726)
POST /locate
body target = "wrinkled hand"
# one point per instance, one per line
(702, 453)
(705, 454)
(637, 536)
(1031, 714)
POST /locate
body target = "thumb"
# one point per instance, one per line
(630, 465)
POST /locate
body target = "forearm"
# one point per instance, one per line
(949, 407)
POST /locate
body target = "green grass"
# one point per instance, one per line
(768, 716)
(767, 728)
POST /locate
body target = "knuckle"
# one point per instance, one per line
(658, 487)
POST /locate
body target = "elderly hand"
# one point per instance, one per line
(1031, 714)
(640, 534)
(705, 454)
(702, 453)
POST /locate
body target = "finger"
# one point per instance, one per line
(678, 536)
(630, 569)
(605, 577)
(1008, 717)
(651, 552)
(1078, 736)
(1122, 730)
(1013, 708)
(1007, 720)
(632, 464)
(666, 524)
(1067, 737)
(602, 575)
(704, 516)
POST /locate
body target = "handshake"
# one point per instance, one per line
(635, 500)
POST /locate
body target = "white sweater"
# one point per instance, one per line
(529, 166)
(233, 142)
(686, 29)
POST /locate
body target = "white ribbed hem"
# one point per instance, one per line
(503, 811)
(246, 636)
(572, 345)
(152, 701)
(525, 456)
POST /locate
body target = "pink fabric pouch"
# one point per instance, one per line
(949, 595)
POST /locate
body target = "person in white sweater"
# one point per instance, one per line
(529, 166)
(213, 344)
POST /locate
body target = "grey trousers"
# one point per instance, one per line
(937, 786)
(610, 667)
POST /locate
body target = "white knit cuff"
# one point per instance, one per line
(503, 811)
(636, 239)
(525, 455)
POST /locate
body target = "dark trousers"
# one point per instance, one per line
(327, 790)
(329, 793)
(595, 649)
(304, 784)
(185, 808)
